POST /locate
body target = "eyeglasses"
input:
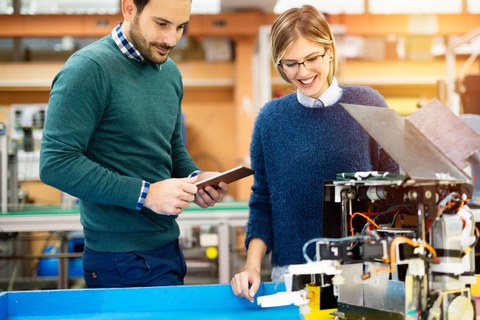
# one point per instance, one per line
(292, 67)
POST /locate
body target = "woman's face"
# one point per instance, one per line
(307, 64)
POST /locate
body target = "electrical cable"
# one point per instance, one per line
(340, 240)
(364, 216)
(410, 242)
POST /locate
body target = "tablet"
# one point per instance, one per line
(228, 176)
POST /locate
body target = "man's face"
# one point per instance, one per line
(156, 30)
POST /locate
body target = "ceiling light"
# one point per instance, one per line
(473, 6)
(326, 6)
(414, 7)
(205, 6)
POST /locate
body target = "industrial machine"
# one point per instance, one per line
(8, 171)
(18, 136)
(412, 256)
(404, 246)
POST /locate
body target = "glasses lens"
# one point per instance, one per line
(313, 62)
(289, 66)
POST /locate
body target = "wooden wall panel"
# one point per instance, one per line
(41, 193)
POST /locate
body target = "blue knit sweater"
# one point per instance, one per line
(294, 149)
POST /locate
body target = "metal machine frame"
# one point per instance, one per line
(420, 271)
(416, 261)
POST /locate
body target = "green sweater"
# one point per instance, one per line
(113, 122)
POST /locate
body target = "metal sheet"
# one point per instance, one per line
(351, 292)
(450, 134)
(414, 153)
(377, 292)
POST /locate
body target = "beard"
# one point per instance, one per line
(146, 49)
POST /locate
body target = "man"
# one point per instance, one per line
(112, 138)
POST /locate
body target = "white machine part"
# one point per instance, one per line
(298, 298)
(452, 236)
(279, 299)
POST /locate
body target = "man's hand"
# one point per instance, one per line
(171, 196)
(208, 196)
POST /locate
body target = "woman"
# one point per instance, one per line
(299, 141)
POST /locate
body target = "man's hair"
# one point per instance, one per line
(140, 4)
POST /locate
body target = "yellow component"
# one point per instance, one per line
(211, 253)
(313, 293)
(475, 288)
(314, 312)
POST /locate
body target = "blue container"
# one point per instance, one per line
(48, 267)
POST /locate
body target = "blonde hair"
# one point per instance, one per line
(306, 22)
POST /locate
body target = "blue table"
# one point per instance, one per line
(212, 302)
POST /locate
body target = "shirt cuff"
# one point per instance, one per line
(195, 173)
(143, 195)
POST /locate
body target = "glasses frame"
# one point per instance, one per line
(312, 57)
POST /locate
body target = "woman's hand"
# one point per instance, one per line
(246, 283)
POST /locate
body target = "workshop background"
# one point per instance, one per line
(410, 51)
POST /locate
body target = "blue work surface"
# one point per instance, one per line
(213, 302)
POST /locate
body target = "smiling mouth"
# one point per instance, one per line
(163, 51)
(307, 82)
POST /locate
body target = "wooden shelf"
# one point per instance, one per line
(388, 86)
(30, 82)
(231, 24)
(404, 24)
(51, 25)
(393, 78)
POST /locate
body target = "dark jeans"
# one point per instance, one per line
(163, 267)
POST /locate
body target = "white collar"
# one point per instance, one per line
(328, 98)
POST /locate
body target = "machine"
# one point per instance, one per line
(404, 246)
(8, 171)
(411, 255)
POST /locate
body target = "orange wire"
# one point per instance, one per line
(363, 215)
(392, 252)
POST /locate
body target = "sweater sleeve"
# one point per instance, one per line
(183, 164)
(76, 104)
(260, 218)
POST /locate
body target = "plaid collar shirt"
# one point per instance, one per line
(124, 45)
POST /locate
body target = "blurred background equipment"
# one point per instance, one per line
(410, 51)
